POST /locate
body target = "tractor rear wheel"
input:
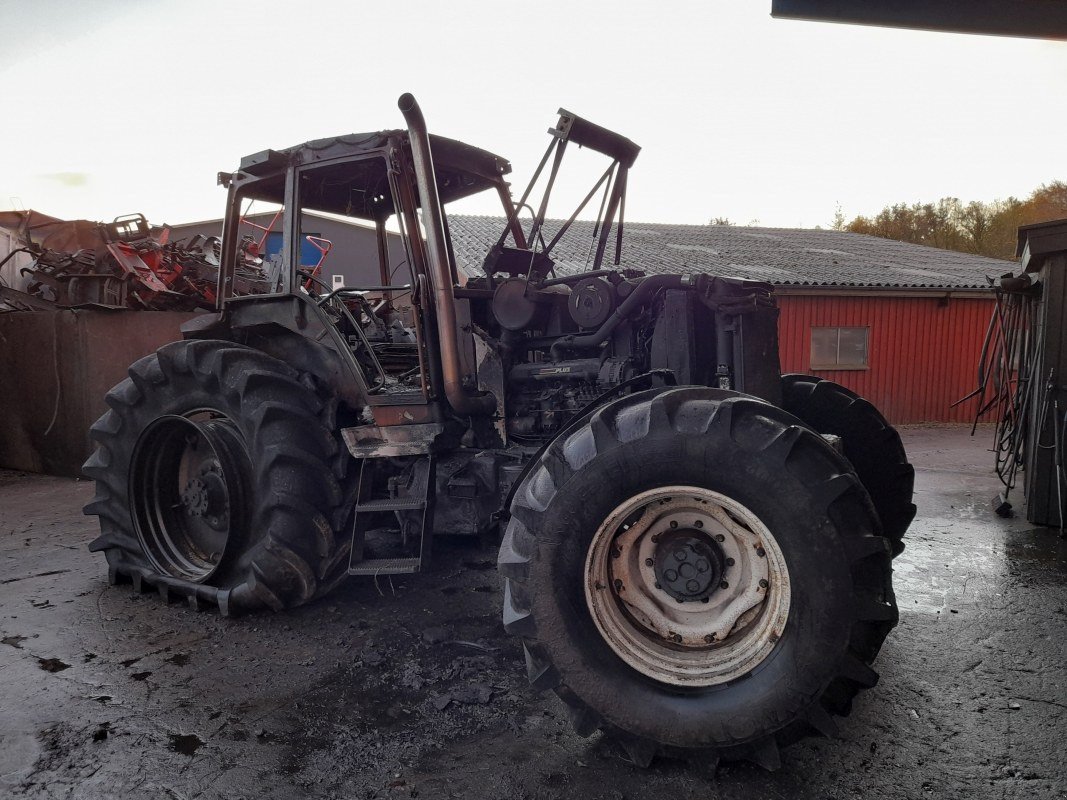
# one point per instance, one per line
(869, 442)
(696, 573)
(216, 477)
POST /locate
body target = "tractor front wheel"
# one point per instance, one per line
(694, 572)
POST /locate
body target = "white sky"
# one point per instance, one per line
(117, 106)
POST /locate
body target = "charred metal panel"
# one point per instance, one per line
(1046, 19)
(468, 492)
(1044, 250)
(57, 366)
(757, 369)
(391, 441)
(674, 341)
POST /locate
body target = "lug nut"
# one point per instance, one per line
(709, 638)
(649, 562)
(677, 637)
(618, 585)
(674, 523)
(730, 562)
(724, 585)
(616, 552)
(719, 537)
(658, 586)
(655, 537)
(761, 552)
(705, 599)
(698, 524)
(763, 583)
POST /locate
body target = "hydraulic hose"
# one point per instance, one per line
(637, 297)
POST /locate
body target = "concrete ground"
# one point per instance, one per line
(408, 688)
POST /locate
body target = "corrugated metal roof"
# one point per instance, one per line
(782, 256)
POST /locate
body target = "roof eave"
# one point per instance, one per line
(958, 292)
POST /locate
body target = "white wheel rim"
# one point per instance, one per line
(711, 636)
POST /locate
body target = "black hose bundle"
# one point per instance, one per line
(1008, 383)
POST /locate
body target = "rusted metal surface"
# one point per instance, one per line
(57, 366)
(51, 232)
(440, 273)
(703, 582)
(124, 264)
(921, 356)
(389, 441)
(15, 300)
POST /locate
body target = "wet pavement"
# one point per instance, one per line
(407, 687)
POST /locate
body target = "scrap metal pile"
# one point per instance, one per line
(123, 264)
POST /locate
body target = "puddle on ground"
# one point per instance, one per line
(1036, 546)
(52, 664)
(14, 641)
(934, 575)
(185, 743)
(953, 564)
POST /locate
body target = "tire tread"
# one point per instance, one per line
(281, 416)
(743, 418)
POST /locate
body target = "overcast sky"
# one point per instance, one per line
(117, 106)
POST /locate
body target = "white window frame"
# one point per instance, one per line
(838, 365)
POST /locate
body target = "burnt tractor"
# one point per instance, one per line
(696, 550)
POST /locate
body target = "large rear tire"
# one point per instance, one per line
(869, 442)
(217, 479)
(778, 639)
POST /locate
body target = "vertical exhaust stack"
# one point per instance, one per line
(440, 271)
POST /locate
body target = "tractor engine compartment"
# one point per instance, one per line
(566, 341)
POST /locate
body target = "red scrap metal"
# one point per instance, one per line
(125, 263)
(324, 246)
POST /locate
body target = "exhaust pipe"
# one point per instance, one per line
(440, 273)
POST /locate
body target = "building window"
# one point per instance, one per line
(839, 348)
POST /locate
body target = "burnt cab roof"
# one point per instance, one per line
(355, 188)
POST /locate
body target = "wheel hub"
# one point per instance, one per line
(188, 479)
(687, 586)
(194, 498)
(689, 565)
(207, 497)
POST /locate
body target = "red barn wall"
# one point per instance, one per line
(922, 351)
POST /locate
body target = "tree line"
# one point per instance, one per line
(983, 228)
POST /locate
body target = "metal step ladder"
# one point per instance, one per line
(365, 511)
